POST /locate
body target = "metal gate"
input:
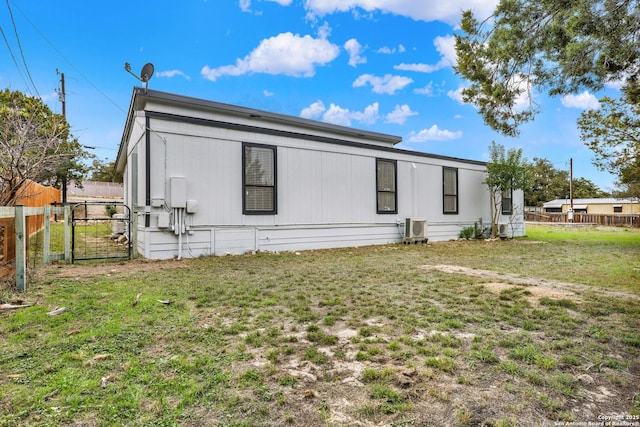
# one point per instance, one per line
(100, 230)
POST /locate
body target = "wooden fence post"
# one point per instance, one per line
(47, 234)
(21, 248)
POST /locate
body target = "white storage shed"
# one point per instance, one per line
(210, 178)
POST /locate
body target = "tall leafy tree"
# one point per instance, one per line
(506, 170)
(613, 133)
(35, 144)
(560, 46)
(586, 189)
(550, 183)
(105, 171)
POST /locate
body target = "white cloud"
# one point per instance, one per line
(427, 90)
(386, 50)
(337, 115)
(446, 11)
(285, 53)
(618, 82)
(400, 114)
(340, 116)
(584, 101)
(446, 46)
(267, 93)
(524, 100)
(313, 111)
(172, 73)
(421, 68)
(354, 48)
(369, 116)
(434, 133)
(324, 31)
(615, 84)
(456, 95)
(245, 5)
(388, 84)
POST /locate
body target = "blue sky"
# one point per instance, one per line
(380, 65)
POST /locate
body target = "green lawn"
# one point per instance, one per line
(334, 337)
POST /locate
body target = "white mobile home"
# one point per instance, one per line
(211, 178)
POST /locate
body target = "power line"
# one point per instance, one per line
(15, 61)
(24, 61)
(66, 60)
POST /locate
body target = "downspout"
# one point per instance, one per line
(147, 165)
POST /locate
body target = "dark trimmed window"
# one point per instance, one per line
(507, 202)
(617, 209)
(449, 190)
(386, 178)
(259, 174)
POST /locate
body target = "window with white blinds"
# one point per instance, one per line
(386, 176)
(259, 179)
(450, 190)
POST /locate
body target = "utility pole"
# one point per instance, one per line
(62, 97)
(62, 94)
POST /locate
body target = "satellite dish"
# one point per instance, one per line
(146, 73)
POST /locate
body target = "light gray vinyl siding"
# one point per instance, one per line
(326, 185)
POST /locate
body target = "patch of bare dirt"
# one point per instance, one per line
(535, 292)
(85, 270)
(536, 285)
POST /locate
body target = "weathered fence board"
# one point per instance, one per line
(7, 247)
(613, 220)
(33, 194)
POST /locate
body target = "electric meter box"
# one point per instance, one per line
(177, 192)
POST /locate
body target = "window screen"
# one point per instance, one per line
(386, 186)
(450, 190)
(259, 179)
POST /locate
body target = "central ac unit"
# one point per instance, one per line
(503, 231)
(415, 230)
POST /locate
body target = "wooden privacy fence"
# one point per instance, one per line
(7, 247)
(612, 220)
(32, 197)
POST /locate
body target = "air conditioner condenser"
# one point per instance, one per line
(415, 230)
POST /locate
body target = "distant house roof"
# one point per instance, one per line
(554, 204)
(583, 203)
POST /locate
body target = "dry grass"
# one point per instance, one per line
(360, 336)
